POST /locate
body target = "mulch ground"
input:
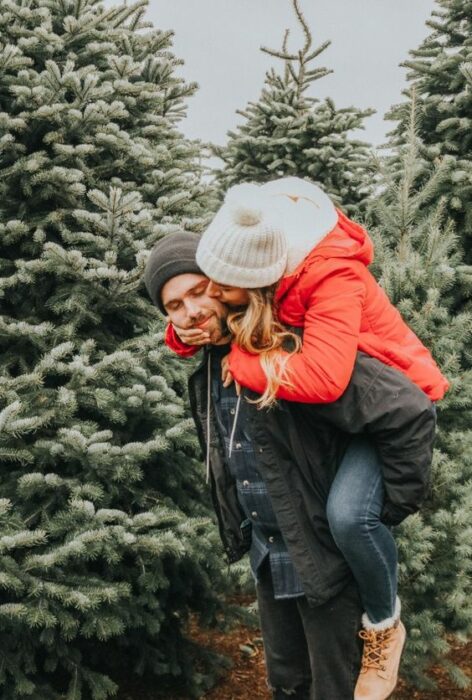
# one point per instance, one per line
(246, 679)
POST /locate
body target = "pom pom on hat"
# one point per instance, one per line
(246, 204)
(244, 216)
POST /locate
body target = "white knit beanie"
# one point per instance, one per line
(245, 245)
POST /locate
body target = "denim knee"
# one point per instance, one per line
(347, 524)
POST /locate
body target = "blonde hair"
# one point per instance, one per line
(257, 330)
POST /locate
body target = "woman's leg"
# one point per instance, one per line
(354, 507)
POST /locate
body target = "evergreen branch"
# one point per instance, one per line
(284, 49)
(24, 457)
(280, 54)
(466, 70)
(124, 12)
(317, 73)
(78, 8)
(306, 30)
(295, 76)
(318, 51)
(285, 40)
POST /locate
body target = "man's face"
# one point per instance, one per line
(188, 305)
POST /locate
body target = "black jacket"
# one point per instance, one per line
(300, 447)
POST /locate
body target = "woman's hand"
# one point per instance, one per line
(192, 336)
(226, 376)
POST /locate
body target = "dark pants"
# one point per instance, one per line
(312, 653)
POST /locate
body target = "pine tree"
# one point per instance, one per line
(105, 541)
(287, 132)
(440, 77)
(418, 262)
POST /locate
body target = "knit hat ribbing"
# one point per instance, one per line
(244, 246)
(173, 255)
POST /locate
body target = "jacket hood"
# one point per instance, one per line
(347, 240)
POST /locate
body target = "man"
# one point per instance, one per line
(270, 474)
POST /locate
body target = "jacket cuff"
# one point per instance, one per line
(173, 342)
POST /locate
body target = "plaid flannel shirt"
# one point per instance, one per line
(253, 496)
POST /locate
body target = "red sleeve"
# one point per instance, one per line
(321, 371)
(173, 342)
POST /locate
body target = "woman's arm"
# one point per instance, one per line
(321, 371)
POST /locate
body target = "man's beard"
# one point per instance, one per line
(224, 327)
(221, 332)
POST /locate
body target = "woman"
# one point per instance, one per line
(287, 256)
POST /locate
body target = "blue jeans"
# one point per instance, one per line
(354, 507)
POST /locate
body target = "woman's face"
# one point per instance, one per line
(232, 296)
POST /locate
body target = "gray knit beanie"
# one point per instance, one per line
(244, 246)
(173, 255)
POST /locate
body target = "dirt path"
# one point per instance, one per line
(246, 679)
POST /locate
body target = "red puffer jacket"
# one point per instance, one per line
(342, 309)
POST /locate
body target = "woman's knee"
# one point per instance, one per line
(357, 494)
(345, 521)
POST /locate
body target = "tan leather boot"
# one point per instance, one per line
(380, 662)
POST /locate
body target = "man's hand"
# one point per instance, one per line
(226, 376)
(192, 336)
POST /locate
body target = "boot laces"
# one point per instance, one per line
(375, 648)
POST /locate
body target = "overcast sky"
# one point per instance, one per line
(219, 41)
